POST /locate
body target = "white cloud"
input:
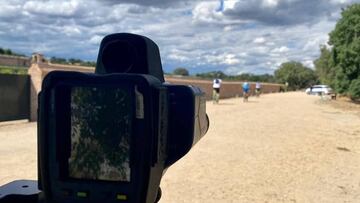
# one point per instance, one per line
(7, 10)
(282, 49)
(308, 63)
(315, 43)
(51, 8)
(230, 4)
(246, 36)
(228, 28)
(259, 40)
(270, 3)
(222, 59)
(205, 12)
(96, 39)
(178, 57)
(233, 70)
(230, 59)
(71, 31)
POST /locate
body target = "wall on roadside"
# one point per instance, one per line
(6, 60)
(227, 90)
(38, 70)
(14, 97)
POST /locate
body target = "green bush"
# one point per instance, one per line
(354, 89)
(13, 70)
(181, 71)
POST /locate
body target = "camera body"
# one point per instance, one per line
(109, 136)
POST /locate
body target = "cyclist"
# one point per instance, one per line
(258, 89)
(246, 89)
(216, 90)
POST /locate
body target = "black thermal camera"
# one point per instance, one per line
(109, 136)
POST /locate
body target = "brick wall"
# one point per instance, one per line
(7, 60)
(227, 90)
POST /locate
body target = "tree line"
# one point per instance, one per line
(9, 52)
(221, 75)
(72, 61)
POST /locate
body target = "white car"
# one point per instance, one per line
(319, 90)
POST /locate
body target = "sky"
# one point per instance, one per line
(232, 36)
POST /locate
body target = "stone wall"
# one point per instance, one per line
(6, 60)
(14, 97)
(38, 70)
(228, 89)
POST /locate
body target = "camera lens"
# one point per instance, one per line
(119, 57)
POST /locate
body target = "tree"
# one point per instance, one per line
(72, 61)
(75, 61)
(345, 39)
(181, 71)
(9, 52)
(212, 75)
(296, 75)
(324, 67)
(354, 89)
(241, 77)
(58, 60)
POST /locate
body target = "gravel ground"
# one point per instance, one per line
(277, 148)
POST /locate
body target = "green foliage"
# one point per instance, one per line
(97, 141)
(253, 78)
(324, 67)
(296, 75)
(58, 60)
(9, 52)
(13, 70)
(345, 39)
(75, 61)
(212, 75)
(181, 71)
(242, 77)
(72, 61)
(354, 90)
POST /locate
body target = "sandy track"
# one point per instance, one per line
(277, 148)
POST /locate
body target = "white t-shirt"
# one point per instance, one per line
(217, 83)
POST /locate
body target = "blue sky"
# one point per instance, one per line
(233, 36)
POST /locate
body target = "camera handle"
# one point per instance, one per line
(158, 196)
(26, 191)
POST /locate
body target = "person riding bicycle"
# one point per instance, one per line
(246, 89)
(216, 90)
(258, 89)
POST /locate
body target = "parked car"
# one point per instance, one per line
(319, 89)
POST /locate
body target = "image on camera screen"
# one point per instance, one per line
(101, 120)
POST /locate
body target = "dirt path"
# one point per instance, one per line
(278, 148)
(18, 153)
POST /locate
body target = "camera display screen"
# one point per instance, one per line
(101, 128)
